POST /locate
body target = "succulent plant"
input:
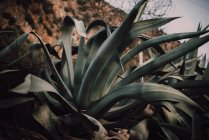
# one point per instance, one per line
(92, 88)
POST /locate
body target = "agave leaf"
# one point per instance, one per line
(184, 108)
(80, 58)
(7, 103)
(64, 89)
(157, 48)
(90, 42)
(85, 123)
(161, 39)
(64, 71)
(126, 73)
(206, 74)
(181, 132)
(120, 109)
(142, 129)
(206, 27)
(44, 116)
(183, 67)
(173, 115)
(100, 37)
(139, 28)
(47, 76)
(190, 84)
(140, 12)
(192, 69)
(196, 132)
(192, 65)
(171, 73)
(55, 106)
(147, 25)
(17, 60)
(145, 38)
(170, 135)
(170, 116)
(67, 69)
(106, 50)
(13, 45)
(153, 79)
(102, 132)
(164, 59)
(79, 67)
(96, 44)
(97, 88)
(96, 40)
(80, 27)
(150, 53)
(8, 71)
(157, 40)
(35, 84)
(99, 85)
(203, 62)
(149, 92)
(199, 27)
(99, 23)
(52, 51)
(192, 54)
(35, 51)
(102, 31)
(150, 129)
(88, 47)
(206, 97)
(178, 64)
(170, 77)
(110, 83)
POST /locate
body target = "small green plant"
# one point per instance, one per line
(91, 89)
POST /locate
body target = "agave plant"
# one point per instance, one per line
(92, 88)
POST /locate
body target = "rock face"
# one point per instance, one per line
(45, 16)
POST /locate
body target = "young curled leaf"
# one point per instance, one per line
(33, 83)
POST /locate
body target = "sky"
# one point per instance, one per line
(192, 12)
